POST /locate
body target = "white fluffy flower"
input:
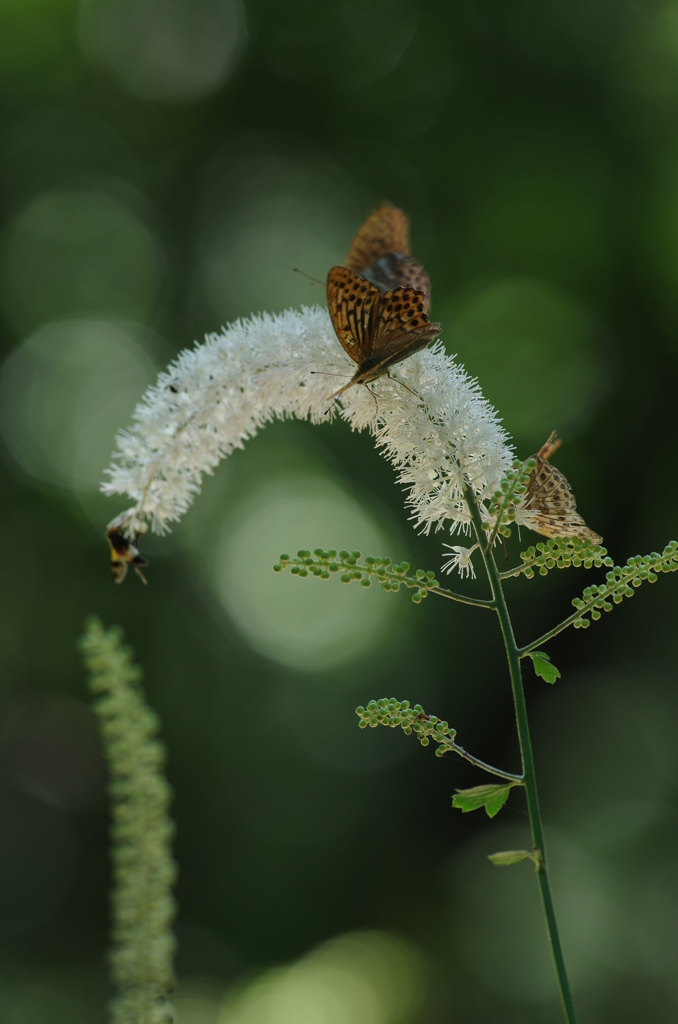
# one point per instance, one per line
(437, 430)
(459, 559)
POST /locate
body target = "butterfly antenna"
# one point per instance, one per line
(313, 280)
(328, 373)
(550, 446)
(335, 396)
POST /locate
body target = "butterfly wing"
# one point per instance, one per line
(401, 327)
(394, 270)
(353, 304)
(549, 506)
(376, 330)
(387, 230)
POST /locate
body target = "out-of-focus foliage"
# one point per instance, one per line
(164, 164)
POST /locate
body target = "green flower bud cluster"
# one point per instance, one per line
(398, 713)
(503, 503)
(621, 582)
(322, 564)
(560, 553)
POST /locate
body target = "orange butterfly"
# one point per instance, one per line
(381, 252)
(377, 329)
(548, 505)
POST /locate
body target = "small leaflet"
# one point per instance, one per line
(492, 798)
(508, 857)
(543, 667)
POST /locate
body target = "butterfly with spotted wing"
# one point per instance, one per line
(380, 252)
(377, 329)
(549, 506)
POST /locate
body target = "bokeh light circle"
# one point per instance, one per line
(549, 341)
(164, 50)
(260, 216)
(64, 394)
(77, 251)
(308, 624)
(370, 977)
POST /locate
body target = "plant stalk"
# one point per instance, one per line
(529, 774)
(509, 776)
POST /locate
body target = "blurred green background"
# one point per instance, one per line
(163, 167)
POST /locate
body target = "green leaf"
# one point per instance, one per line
(492, 798)
(508, 857)
(543, 667)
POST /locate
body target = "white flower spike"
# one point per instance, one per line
(437, 430)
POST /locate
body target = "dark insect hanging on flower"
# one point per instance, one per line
(124, 554)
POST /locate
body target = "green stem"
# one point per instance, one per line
(486, 767)
(477, 602)
(528, 763)
(507, 574)
(522, 651)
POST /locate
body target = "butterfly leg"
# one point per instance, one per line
(371, 392)
(402, 383)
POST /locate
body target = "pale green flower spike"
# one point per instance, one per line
(142, 905)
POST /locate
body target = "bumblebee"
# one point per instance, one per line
(123, 554)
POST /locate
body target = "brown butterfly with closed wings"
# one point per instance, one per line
(548, 505)
(380, 252)
(377, 329)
